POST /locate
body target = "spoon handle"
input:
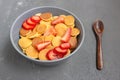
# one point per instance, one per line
(99, 55)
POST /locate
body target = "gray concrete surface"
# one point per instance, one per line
(79, 67)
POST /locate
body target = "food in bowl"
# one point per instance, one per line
(44, 36)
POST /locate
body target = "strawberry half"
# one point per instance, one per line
(42, 45)
(35, 19)
(27, 26)
(65, 45)
(51, 30)
(67, 35)
(30, 22)
(58, 50)
(51, 55)
(57, 20)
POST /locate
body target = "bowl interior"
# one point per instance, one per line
(14, 33)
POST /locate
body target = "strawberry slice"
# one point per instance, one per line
(30, 22)
(57, 20)
(42, 45)
(51, 55)
(65, 45)
(67, 35)
(51, 30)
(58, 50)
(27, 26)
(35, 19)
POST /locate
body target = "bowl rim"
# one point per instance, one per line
(47, 61)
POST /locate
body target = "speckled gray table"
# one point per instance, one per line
(79, 67)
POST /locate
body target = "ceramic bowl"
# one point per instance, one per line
(14, 31)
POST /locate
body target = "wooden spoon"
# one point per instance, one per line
(98, 28)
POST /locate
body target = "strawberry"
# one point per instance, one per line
(42, 45)
(67, 35)
(30, 22)
(35, 19)
(51, 30)
(58, 50)
(65, 45)
(57, 20)
(27, 26)
(51, 55)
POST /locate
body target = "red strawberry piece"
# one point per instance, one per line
(35, 19)
(51, 55)
(30, 22)
(57, 20)
(67, 35)
(58, 50)
(42, 45)
(65, 45)
(27, 26)
(51, 30)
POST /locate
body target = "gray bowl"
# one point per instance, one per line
(14, 31)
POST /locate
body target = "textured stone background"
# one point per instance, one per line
(79, 67)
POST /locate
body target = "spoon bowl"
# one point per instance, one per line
(98, 27)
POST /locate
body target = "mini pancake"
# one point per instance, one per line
(49, 38)
(42, 54)
(46, 16)
(24, 42)
(24, 32)
(69, 20)
(33, 35)
(56, 41)
(75, 32)
(32, 52)
(73, 42)
(48, 23)
(41, 28)
(61, 29)
(36, 41)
